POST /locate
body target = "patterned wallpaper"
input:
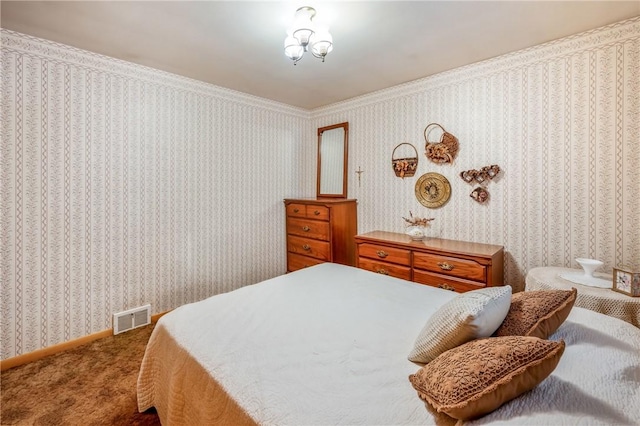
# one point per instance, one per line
(560, 119)
(123, 185)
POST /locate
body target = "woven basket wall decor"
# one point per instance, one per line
(404, 167)
(445, 150)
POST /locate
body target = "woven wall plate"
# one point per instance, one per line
(433, 190)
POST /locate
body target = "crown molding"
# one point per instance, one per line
(594, 39)
(39, 48)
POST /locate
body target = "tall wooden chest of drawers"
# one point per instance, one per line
(320, 230)
(449, 264)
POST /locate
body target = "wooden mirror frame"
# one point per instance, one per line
(322, 192)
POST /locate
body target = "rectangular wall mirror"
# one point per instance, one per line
(333, 148)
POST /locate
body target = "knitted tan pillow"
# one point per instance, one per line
(476, 378)
(537, 313)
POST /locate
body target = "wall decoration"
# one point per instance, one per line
(482, 176)
(485, 173)
(404, 167)
(433, 190)
(359, 172)
(445, 150)
(480, 195)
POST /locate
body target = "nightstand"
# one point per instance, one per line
(603, 300)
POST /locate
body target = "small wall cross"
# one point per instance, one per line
(359, 172)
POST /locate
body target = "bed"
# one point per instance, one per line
(328, 345)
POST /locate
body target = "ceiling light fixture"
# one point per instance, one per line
(306, 36)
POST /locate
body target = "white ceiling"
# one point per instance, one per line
(239, 44)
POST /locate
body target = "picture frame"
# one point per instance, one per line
(626, 281)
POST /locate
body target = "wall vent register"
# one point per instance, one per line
(132, 318)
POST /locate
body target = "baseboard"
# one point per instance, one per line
(156, 317)
(64, 346)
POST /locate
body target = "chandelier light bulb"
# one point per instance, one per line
(322, 44)
(293, 49)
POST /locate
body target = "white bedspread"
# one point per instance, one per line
(329, 344)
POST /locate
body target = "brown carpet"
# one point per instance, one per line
(93, 384)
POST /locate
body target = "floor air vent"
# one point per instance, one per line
(133, 318)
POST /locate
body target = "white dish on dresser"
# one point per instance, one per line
(589, 265)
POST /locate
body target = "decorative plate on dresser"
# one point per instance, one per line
(449, 264)
(320, 230)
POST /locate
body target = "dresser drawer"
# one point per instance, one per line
(450, 264)
(443, 264)
(385, 268)
(388, 254)
(296, 210)
(309, 247)
(445, 282)
(308, 228)
(297, 261)
(308, 211)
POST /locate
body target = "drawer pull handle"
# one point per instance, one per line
(383, 271)
(382, 254)
(296, 210)
(445, 266)
(306, 228)
(316, 212)
(446, 287)
(306, 247)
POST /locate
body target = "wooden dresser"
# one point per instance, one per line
(320, 230)
(449, 264)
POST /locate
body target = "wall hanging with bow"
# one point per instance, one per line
(445, 150)
(406, 166)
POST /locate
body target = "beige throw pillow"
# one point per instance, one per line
(468, 316)
(537, 313)
(478, 377)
